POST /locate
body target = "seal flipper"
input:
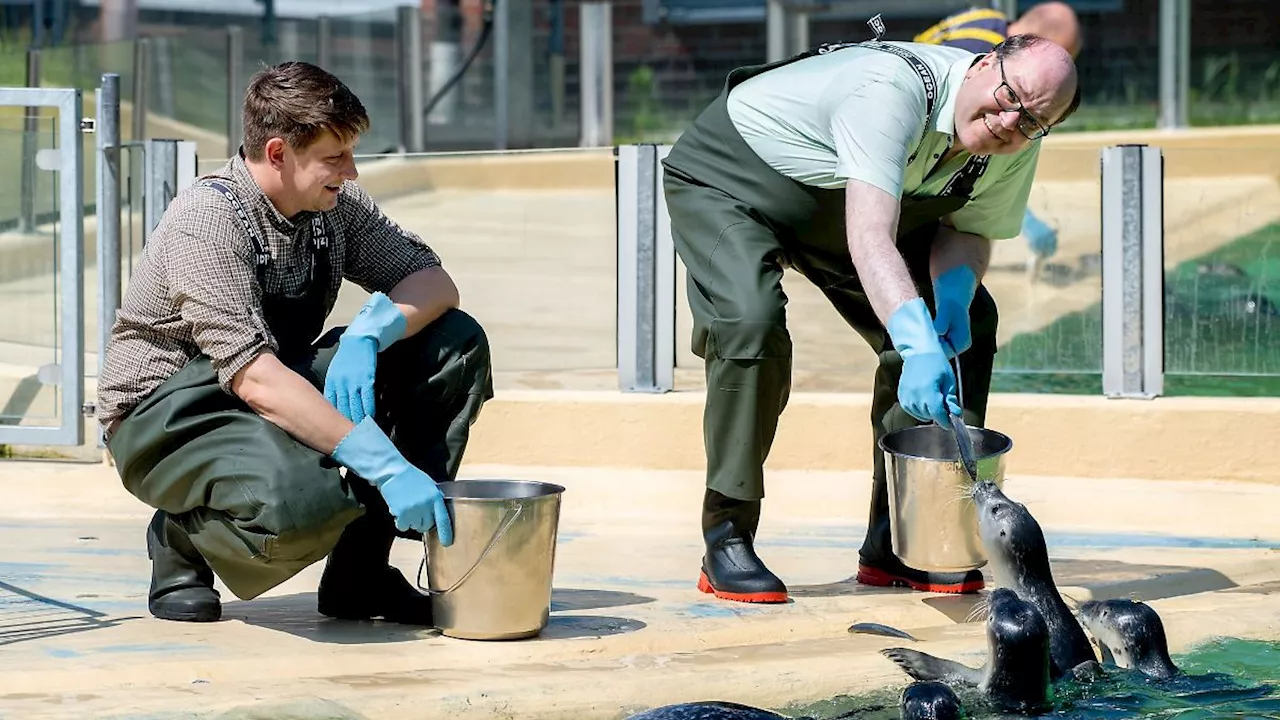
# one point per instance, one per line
(923, 666)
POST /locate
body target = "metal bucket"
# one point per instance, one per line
(494, 581)
(932, 518)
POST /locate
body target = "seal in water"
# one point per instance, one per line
(1020, 560)
(929, 700)
(709, 710)
(1131, 635)
(1015, 677)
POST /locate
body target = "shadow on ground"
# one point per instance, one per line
(25, 615)
(296, 614)
(1103, 578)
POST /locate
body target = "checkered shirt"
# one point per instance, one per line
(196, 290)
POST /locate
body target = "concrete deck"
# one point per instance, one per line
(1172, 501)
(628, 629)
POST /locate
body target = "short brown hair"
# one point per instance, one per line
(298, 102)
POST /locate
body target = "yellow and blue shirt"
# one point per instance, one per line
(977, 31)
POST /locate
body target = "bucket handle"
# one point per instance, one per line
(513, 511)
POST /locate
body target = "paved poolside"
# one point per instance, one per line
(628, 629)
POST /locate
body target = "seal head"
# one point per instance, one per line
(1131, 635)
(929, 701)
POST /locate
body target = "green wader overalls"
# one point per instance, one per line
(736, 223)
(258, 505)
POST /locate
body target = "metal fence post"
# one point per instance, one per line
(186, 164)
(646, 273)
(324, 42)
(596, 72)
(235, 58)
(30, 129)
(501, 74)
(166, 105)
(409, 73)
(107, 129)
(1132, 271)
(141, 84)
(160, 183)
(1008, 7)
(1175, 64)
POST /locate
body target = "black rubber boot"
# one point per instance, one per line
(360, 584)
(730, 568)
(181, 581)
(877, 565)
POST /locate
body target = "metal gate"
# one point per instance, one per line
(42, 333)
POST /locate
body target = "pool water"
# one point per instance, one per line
(1223, 678)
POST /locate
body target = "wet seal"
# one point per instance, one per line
(1019, 559)
(1015, 677)
(929, 700)
(1130, 635)
(708, 710)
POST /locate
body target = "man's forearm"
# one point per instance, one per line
(285, 398)
(423, 297)
(952, 248)
(871, 216)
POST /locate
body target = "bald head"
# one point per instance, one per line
(1054, 21)
(1045, 73)
(1015, 94)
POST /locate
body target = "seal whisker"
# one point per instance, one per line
(980, 609)
(961, 496)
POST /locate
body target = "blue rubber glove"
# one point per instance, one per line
(1042, 239)
(412, 496)
(348, 384)
(952, 294)
(927, 388)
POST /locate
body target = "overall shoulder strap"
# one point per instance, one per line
(961, 184)
(261, 256)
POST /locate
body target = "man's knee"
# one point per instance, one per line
(759, 335)
(451, 355)
(304, 497)
(461, 337)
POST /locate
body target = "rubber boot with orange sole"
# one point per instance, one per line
(878, 566)
(893, 573)
(731, 570)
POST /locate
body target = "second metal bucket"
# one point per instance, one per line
(931, 515)
(494, 581)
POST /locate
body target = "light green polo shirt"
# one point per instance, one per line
(859, 113)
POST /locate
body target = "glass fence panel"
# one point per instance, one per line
(1222, 265)
(29, 246)
(529, 238)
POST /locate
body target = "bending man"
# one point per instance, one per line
(881, 171)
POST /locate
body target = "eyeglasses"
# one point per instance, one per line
(1007, 99)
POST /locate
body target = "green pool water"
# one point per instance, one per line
(1222, 331)
(1224, 678)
